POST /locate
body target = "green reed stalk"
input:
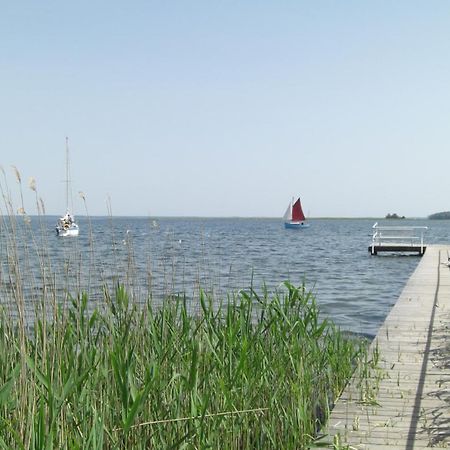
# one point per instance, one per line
(253, 370)
(129, 378)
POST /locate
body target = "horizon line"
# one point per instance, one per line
(220, 217)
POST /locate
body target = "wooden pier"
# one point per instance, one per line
(406, 404)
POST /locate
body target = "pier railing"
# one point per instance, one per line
(397, 239)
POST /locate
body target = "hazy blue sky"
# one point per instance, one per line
(227, 108)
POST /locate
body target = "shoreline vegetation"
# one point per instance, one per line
(394, 216)
(444, 215)
(256, 372)
(252, 370)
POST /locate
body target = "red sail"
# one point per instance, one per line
(297, 212)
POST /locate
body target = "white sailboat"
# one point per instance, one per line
(66, 225)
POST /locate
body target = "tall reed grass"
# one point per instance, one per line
(254, 370)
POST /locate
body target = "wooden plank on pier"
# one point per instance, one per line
(406, 404)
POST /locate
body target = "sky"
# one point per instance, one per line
(228, 108)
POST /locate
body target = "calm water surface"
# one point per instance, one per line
(224, 255)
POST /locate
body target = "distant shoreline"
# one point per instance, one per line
(105, 216)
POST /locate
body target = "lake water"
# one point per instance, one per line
(222, 256)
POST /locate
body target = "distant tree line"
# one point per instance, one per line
(394, 216)
(440, 215)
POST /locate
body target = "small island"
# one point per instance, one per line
(394, 216)
(444, 215)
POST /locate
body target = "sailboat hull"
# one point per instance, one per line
(296, 225)
(63, 232)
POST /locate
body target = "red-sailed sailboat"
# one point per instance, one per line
(294, 217)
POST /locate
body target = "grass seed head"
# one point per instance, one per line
(17, 173)
(32, 184)
(42, 205)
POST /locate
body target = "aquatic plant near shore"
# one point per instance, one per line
(256, 372)
(83, 372)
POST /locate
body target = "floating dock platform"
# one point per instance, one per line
(406, 402)
(398, 239)
(397, 248)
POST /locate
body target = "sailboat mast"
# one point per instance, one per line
(67, 173)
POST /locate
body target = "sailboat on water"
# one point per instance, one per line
(66, 225)
(294, 217)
